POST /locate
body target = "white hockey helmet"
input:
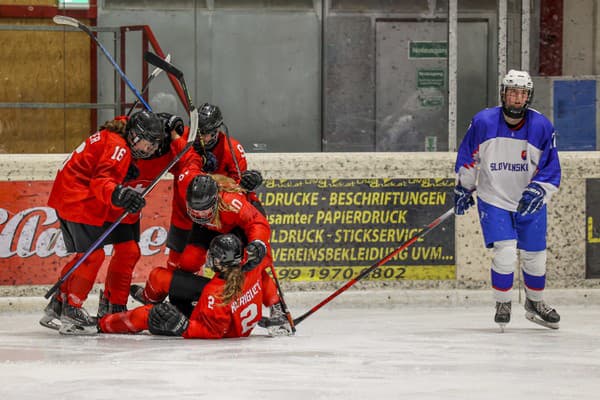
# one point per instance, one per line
(519, 80)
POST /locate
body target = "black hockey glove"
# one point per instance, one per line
(256, 250)
(172, 123)
(165, 319)
(128, 198)
(132, 172)
(210, 162)
(251, 179)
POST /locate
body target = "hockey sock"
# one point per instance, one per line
(270, 294)
(158, 284)
(174, 257)
(81, 281)
(534, 273)
(503, 266)
(120, 270)
(131, 321)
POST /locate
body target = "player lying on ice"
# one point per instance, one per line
(229, 304)
(216, 205)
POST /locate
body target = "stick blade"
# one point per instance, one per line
(155, 60)
(64, 20)
(158, 70)
(193, 125)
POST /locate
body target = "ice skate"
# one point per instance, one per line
(137, 292)
(52, 312)
(105, 307)
(277, 324)
(102, 305)
(502, 316)
(540, 313)
(77, 321)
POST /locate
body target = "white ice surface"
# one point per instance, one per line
(367, 354)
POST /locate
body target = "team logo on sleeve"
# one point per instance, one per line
(524, 155)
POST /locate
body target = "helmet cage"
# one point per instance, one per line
(202, 199)
(133, 138)
(210, 120)
(202, 216)
(516, 80)
(144, 126)
(214, 137)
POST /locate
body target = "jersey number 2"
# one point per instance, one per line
(248, 317)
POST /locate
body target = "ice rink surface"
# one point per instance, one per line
(403, 352)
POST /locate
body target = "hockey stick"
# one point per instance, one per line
(153, 75)
(235, 161)
(166, 66)
(98, 242)
(286, 310)
(367, 271)
(163, 64)
(64, 20)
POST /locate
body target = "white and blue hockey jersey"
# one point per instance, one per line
(500, 162)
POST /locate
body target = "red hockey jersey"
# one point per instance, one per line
(151, 168)
(244, 216)
(84, 184)
(226, 166)
(211, 319)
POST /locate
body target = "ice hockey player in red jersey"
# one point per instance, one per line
(142, 172)
(217, 205)
(228, 306)
(88, 186)
(224, 156)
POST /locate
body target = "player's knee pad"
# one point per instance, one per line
(505, 256)
(533, 262)
(193, 258)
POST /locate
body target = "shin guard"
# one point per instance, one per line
(534, 273)
(120, 271)
(81, 281)
(131, 321)
(158, 284)
(270, 293)
(503, 267)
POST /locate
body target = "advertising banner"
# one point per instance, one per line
(322, 230)
(332, 229)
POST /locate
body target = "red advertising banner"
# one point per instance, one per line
(27, 224)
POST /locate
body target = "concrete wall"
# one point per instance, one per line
(566, 236)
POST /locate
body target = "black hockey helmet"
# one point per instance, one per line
(210, 120)
(224, 251)
(202, 199)
(144, 125)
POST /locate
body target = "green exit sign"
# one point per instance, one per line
(73, 4)
(428, 50)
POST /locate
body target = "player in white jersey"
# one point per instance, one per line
(509, 156)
